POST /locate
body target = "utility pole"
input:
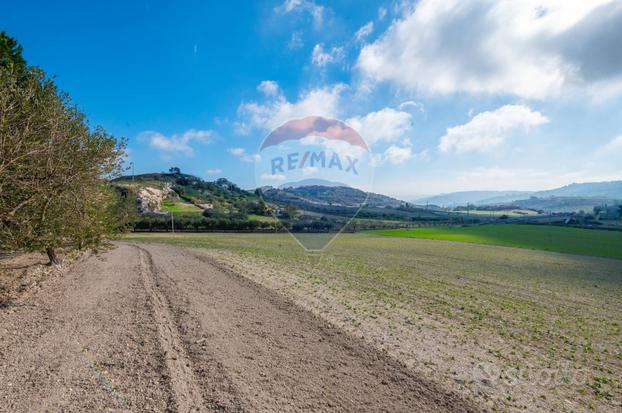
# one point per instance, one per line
(172, 223)
(132, 165)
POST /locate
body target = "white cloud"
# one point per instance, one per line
(364, 31)
(303, 6)
(321, 58)
(397, 155)
(412, 104)
(489, 129)
(386, 125)
(268, 88)
(213, 171)
(243, 155)
(274, 112)
(529, 48)
(273, 177)
(382, 13)
(176, 142)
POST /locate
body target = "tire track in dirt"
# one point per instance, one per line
(84, 341)
(277, 357)
(186, 390)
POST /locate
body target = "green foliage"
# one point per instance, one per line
(194, 222)
(53, 191)
(11, 57)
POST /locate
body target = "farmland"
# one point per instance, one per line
(547, 238)
(180, 207)
(514, 329)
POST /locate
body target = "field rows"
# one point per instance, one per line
(491, 322)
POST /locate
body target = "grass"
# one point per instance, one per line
(444, 307)
(261, 218)
(180, 207)
(547, 238)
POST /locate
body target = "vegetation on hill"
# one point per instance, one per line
(330, 196)
(199, 205)
(53, 166)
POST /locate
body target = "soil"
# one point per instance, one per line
(159, 328)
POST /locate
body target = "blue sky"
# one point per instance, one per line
(451, 95)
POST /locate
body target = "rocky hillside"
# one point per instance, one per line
(158, 192)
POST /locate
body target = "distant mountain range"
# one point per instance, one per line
(589, 193)
(473, 197)
(611, 189)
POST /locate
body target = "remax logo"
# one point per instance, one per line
(306, 166)
(315, 159)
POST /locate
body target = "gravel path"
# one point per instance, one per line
(159, 328)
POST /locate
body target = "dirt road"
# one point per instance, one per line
(159, 328)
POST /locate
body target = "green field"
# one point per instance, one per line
(547, 238)
(180, 207)
(261, 218)
(445, 307)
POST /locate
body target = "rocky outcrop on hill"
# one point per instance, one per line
(150, 199)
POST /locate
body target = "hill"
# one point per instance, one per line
(184, 193)
(221, 204)
(571, 197)
(473, 197)
(610, 190)
(311, 182)
(320, 195)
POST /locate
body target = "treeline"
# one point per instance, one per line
(241, 223)
(203, 224)
(54, 167)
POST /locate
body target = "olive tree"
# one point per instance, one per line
(54, 191)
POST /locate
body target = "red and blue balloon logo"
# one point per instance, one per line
(316, 173)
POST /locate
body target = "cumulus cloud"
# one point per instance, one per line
(532, 48)
(489, 129)
(303, 6)
(321, 57)
(397, 155)
(177, 142)
(243, 155)
(274, 112)
(213, 171)
(364, 31)
(388, 125)
(268, 88)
